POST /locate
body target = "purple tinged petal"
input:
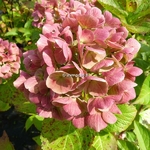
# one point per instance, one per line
(34, 98)
(96, 122)
(62, 101)
(72, 109)
(79, 122)
(114, 76)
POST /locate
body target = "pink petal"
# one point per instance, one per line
(101, 34)
(62, 101)
(87, 36)
(31, 84)
(97, 88)
(42, 43)
(87, 21)
(115, 109)
(127, 96)
(103, 65)
(48, 57)
(72, 109)
(135, 71)
(19, 82)
(66, 50)
(109, 117)
(114, 76)
(59, 84)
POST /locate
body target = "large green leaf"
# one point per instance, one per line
(62, 135)
(133, 14)
(124, 120)
(114, 7)
(126, 145)
(144, 96)
(143, 136)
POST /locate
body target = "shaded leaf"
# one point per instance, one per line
(4, 106)
(126, 145)
(5, 144)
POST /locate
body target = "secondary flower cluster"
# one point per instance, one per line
(9, 59)
(78, 39)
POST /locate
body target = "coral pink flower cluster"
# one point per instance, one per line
(9, 59)
(82, 69)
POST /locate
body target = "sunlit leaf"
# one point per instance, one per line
(144, 96)
(124, 120)
(143, 136)
(58, 135)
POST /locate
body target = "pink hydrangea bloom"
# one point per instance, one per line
(9, 59)
(83, 66)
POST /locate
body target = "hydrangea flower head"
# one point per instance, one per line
(9, 59)
(83, 66)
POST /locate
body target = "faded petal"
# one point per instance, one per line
(58, 83)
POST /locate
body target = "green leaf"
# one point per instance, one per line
(143, 136)
(12, 32)
(37, 121)
(28, 24)
(144, 118)
(5, 144)
(144, 96)
(114, 7)
(126, 145)
(4, 106)
(62, 135)
(130, 136)
(104, 142)
(37, 140)
(124, 120)
(131, 5)
(29, 122)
